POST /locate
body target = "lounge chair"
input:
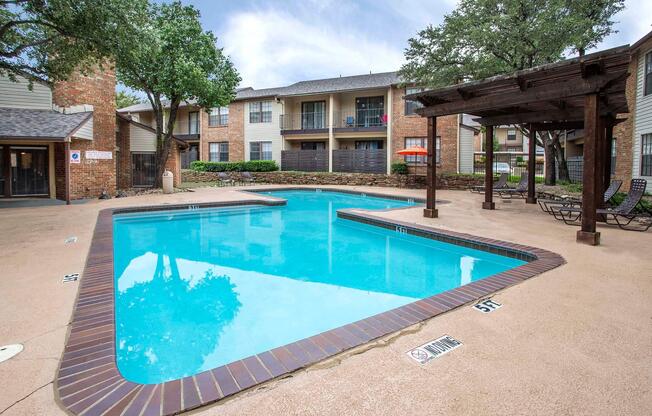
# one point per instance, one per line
(519, 191)
(499, 184)
(623, 215)
(224, 179)
(550, 204)
(246, 178)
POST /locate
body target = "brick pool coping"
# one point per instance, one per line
(89, 383)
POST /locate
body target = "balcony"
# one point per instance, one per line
(316, 122)
(372, 119)
(361, 120)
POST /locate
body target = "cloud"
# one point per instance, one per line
(273, 47)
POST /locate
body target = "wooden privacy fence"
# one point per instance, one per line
(305, 160)
(360, 161)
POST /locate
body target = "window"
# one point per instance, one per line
(260, 112)
(410, 106)
(312, 114)
(511, 134)
(415, 141)
(423, 142)
(218, 152)
(313, 145)
(193, 122)
(260, 151)
(646, 155)
(648, 74)
(218, 116)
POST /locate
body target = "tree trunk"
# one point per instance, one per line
(165, 144)
(549, 154)
(560, 158)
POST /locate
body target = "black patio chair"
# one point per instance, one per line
(622, 216)
(499, 184)
(519, 191)
(549, 204)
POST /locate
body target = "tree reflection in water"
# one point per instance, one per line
(155, 334)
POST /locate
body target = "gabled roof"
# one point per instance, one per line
(327, 85)
(20, 123)
(317, 86)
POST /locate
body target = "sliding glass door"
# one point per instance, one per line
(313, 115)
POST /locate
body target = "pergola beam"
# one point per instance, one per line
(559, 91)
(571, 116)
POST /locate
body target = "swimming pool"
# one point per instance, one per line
(197, 289)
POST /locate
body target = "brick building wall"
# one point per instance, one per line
(233, 133)
(416, 126)
(90, 177)
(624, 132)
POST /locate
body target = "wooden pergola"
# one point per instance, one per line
(586, 92)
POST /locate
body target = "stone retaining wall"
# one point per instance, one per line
(444, 181)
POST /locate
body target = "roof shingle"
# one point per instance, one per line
(50, 124)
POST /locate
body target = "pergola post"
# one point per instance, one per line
(67, 171)
(588, 233)
(430, 211)
(531, 166)
(600, 166)
(489, 169)
(608, 149)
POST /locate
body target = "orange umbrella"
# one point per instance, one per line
(414, 151)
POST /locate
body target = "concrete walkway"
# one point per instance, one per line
(576, 340)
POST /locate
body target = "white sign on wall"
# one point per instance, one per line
(75, 156)
(99, 154)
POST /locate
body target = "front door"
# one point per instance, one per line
(143, 169)
(29, 170)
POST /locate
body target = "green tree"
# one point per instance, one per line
(46, 40)
(483, 38)
(124, 99)
(175, 60)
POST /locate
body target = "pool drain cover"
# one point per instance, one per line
(8, 351)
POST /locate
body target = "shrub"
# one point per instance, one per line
(250, 166)
(400, 168)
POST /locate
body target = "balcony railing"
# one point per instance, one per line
(304, 121)
(372, 117)
(355, 119)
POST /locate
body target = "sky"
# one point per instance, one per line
(277, 42)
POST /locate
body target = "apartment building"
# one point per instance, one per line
(344, 124)
(633, 147)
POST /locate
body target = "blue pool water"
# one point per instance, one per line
(199, 289)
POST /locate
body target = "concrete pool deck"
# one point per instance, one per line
(575, 340)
